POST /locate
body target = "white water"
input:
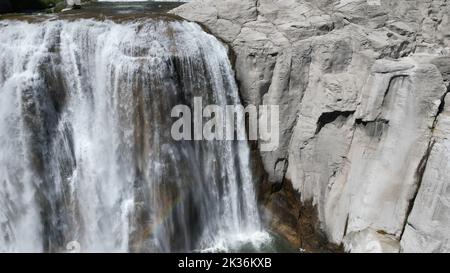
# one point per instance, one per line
(85, 148)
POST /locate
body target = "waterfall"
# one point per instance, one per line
(86, 153)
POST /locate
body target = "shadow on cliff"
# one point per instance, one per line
(286, 215)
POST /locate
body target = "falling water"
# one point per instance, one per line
(85, 148)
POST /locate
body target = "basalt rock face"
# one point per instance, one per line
(362, 89)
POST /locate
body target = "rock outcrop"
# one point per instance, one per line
(362, 89)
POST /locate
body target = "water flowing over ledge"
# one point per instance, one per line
(85, 147)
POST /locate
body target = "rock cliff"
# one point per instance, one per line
(7, 6)
(365, 119)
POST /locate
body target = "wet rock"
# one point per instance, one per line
(296, 222)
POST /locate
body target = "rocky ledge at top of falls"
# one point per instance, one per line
(365, 118)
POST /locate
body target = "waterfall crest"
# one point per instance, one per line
(85, 148)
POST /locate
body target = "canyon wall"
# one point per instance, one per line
(365, 119)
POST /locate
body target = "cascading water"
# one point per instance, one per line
(86, 153)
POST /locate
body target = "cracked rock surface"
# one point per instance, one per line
(365, 119)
